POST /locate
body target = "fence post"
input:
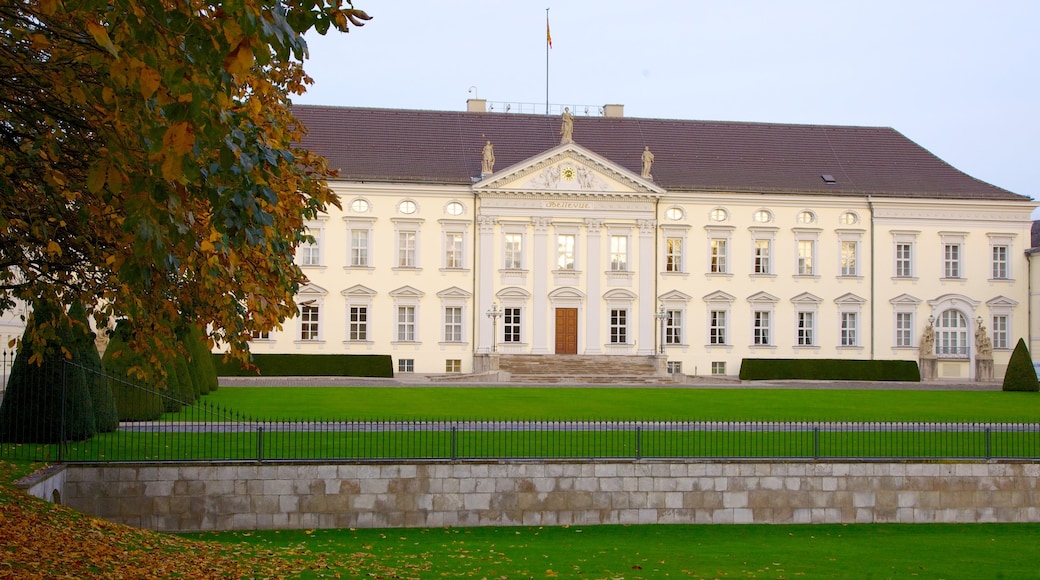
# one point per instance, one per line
(454, 442)
(989, 449)
(260, 443)
(816, 442)
(639, 442)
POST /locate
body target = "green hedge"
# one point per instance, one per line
(310, 365)
(758, 369)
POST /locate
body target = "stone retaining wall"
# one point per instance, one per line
(192, 497)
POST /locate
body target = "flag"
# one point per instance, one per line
(548, 36)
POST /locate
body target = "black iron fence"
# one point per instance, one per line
(201, 431)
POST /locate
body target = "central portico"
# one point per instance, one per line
(566, 250)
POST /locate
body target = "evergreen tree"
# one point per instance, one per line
(106, 417)
(1020, 375)
(134, 401)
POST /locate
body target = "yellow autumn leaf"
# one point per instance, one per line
(240, 60)
(148, 80)
(179, 138)
(54, 248)
(100, 35)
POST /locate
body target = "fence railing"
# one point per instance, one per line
(201, 431)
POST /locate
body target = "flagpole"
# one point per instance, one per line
(548, 44)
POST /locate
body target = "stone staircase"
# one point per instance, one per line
(588, 369)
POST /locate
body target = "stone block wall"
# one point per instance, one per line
(193, 497)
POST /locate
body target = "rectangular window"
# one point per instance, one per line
(565, 252)
(719, 256)
(406, 324)
(511, 325)
(453, 250)
(1000, 331)
(619, 253)
(406, 365)
(618, 326)
(310, 253)
(951, 260)
(805, 329)
(904, 260)
(717, 327)
(718, 367)
(309, 322)
(514, 256)
(453, 365)
(761, 328)
(762, 252)
(359, 248)
(673, 327)
(849, 258)
(848, 329)
(806, 251)
(673, 255)
(674, 367)
(359, 323)
(258, 335)
(904, 329)
(1000, 262)
(406, 249)
(453, 324)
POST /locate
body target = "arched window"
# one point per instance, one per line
(951, 335)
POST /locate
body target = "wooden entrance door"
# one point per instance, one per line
(566, 331)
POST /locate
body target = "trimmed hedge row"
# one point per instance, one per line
(310, 365)
(758, 369)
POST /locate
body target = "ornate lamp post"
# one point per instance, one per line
(493, 314)
(660, 316)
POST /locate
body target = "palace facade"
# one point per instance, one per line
(702, 243)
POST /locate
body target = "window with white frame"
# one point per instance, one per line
(673, 326)
(952, 260)
(618, 326)
(904, 329)
(718, 367)
(453, 365)
(999, 326)
(359, 245)
(904, 245)
(763, 249)
(999, 268)
(849, 258)
(717, 325)
(511, 321)
(513, 258)
(453, 324)
(406, 365)
(360, 205)
(674, 367)
(260, 335)
(806, 328)
(310, 252)
(719, 259)
(806, 217)
(358, 325)
(618, 253)
(407, 253)
(406, 324)
(673, 255)
(309, 321)
(951, 335)
(848, 218)
(849, 329)
(453, 251)
(806, 257)
(565, 244)
(761, 330)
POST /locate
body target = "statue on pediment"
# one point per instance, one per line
(567, 126)
(648, 161)
(487, 165)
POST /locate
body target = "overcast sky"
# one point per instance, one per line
(959, 77)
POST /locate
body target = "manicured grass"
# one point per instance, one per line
(628, 404)
(687, 551)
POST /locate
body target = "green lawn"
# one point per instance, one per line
(684, 551)
(628, 404)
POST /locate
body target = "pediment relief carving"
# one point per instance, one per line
(569, 168)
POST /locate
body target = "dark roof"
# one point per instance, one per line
(445, 147)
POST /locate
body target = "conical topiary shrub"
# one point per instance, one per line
(134, 401)
(1020, 375)
(106, 417)
(46, 401)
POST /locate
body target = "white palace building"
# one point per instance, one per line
(469, 236)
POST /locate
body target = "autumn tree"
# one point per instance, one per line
(148, 161)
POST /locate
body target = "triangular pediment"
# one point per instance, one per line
(675, 296)
(905, 300)
(807, 298)
(311, 291)
(850, 298)
(719, 296)
(359, 291)
(453, 292)
(762, 297)
(1001, 302)
(568, 168)
(407, 292)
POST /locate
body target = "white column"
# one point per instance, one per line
(485, 281)
(541, 267)
(593, 276)
(646, 270)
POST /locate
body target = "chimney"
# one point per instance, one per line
(476, 105)
(613, 110)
